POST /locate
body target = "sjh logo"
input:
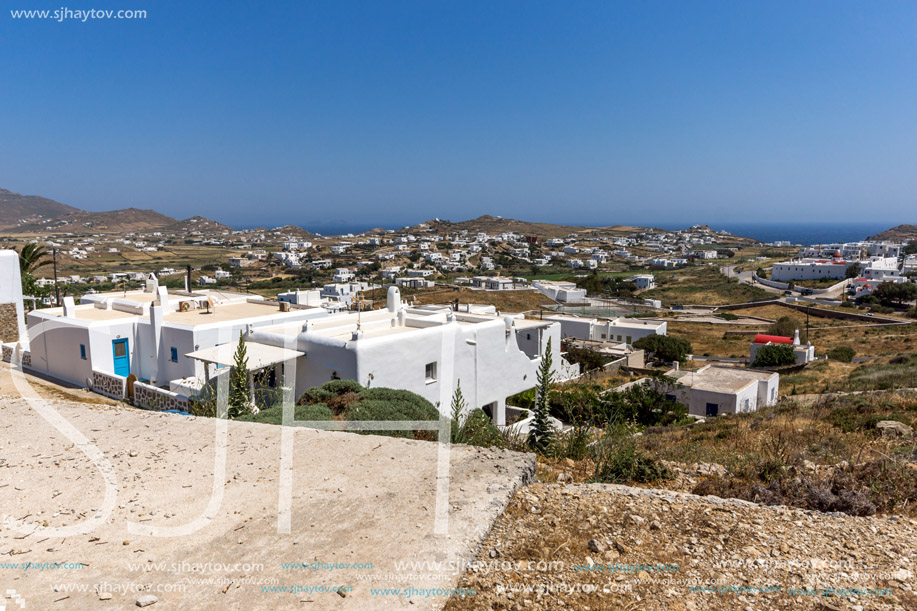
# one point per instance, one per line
(14, 596)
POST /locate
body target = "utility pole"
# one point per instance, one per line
(56, 286)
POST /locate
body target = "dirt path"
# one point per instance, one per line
(365, 501)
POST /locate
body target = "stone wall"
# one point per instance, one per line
(109, 384)
(158, 399)
(9, 323)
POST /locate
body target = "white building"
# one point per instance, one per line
(562, 292)
(713, 390)
(496, 283)
(311, 297)
(625, 330)
(804, 354)
(342, 274)
(811, 269)
(426, 350)
(644, 281)
(147, 334)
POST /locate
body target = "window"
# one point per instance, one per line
(83, 351)
(628, 339)
(174, 354)
(430, 372)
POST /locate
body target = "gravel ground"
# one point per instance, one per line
(594, 546)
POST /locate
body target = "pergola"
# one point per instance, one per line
(260, 356)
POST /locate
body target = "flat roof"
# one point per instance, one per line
(225, 312)
(721, 379)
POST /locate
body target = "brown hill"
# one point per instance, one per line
(113, 221)
(496, 224)
(17, 209)
(197, 225)
(897, 234)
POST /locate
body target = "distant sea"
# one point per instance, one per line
(798, 233)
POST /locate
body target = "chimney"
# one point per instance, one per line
(188, 280)
(796, 338)
(69, 307)
(676, 365)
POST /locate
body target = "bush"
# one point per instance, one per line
(478, 430)
(340, 387)
(643, 404)
(617, 460)
(727, 316)
(843, 354)
(774, 355)
(274, 415)
(786, 327)
(316, 394)
(389, 409)
(664, 347)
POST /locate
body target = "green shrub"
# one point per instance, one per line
(664, 347)
(727, 316)
(388, 409)
(573, 443)
(618, 461)
(274, 415)
(316, 394)
(774, 355)
(843, 354)
(479, 430)
(340, 387)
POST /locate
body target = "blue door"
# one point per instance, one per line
(122, 358)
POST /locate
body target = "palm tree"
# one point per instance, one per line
(32, 257)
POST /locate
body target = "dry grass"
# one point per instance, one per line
(504, 301)
(703, 285)
(794, 453)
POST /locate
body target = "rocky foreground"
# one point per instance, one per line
(592, 546)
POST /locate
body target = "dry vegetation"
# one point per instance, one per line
(504, 301)
(702, 286)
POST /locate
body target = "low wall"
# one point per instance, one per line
(109, 384)
(158, 399)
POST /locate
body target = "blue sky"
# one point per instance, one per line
(395, 112)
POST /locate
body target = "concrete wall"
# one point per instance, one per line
(12, 317)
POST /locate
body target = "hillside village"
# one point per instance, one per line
(642, 356)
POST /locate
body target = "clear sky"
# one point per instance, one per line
(393, 112)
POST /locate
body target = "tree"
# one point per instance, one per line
(775, 355)
(458, 413)
(32, 257)
(785, 326)
(541, 433)
(911, 248)
(853, 271)
(646, 404)
(889, 293)
(240, 397)
(665, 347)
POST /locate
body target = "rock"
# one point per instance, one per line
(342, 593)
(105, 596)
(621, 549)
(146, 600)
(132, 453)
(894, 428)
(596, 546)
